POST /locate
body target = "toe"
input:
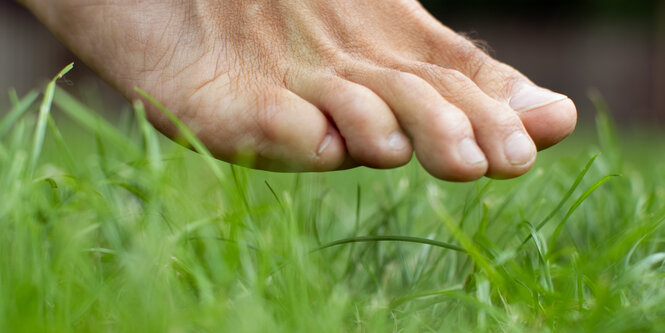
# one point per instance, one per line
(372, 135)
(296, 136)
(279, 131)
(549, 117)
(498, 129)
(442, 135)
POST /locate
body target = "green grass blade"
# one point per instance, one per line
(469, 204)
(187, 135)
(13, 97)
(541, 247)
(139, 193)
(565, 198)
(424, 294)
(149, 138)
(274, 194)
(62, 145)
(473, 303)
(356, 227)
(576, 204)
(90, 120)
(17, 110)
(464, 240)
(239, 181)
(405, 239)
(606, 129)
(44, 111)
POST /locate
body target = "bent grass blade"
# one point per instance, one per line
(405, 239)
(44, 111)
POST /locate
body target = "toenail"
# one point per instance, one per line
(528, 97)
(324, 144)
(470, 152)
(519, 149)
(397, 141)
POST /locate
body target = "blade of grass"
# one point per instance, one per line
(274, 194)
(13, 97)
(428, 293)
(606, 129)
(405, 239)
(476, 304)
(469, 204)
(133, 189)
(92, 121)
(356, 226)
(541, 248)
(151, 145)
(576, 204)
(188, 136)
(240, 185)
(565, 198)
(358, 199)
(211, 161)
(17, 110)
(464, 240)
(60, 141)
(44, 111)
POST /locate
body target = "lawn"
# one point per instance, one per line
(107, 226)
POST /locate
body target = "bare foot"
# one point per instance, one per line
(318, 84)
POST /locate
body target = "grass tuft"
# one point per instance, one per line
(107, 226)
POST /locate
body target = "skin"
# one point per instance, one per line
(317, 85)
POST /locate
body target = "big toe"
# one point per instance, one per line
(548, 117)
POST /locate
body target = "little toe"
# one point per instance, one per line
(281, 132)
(498, 129)
(372, 135)
(299, 137)
(442, 135)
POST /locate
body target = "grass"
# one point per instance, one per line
(106, 226)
